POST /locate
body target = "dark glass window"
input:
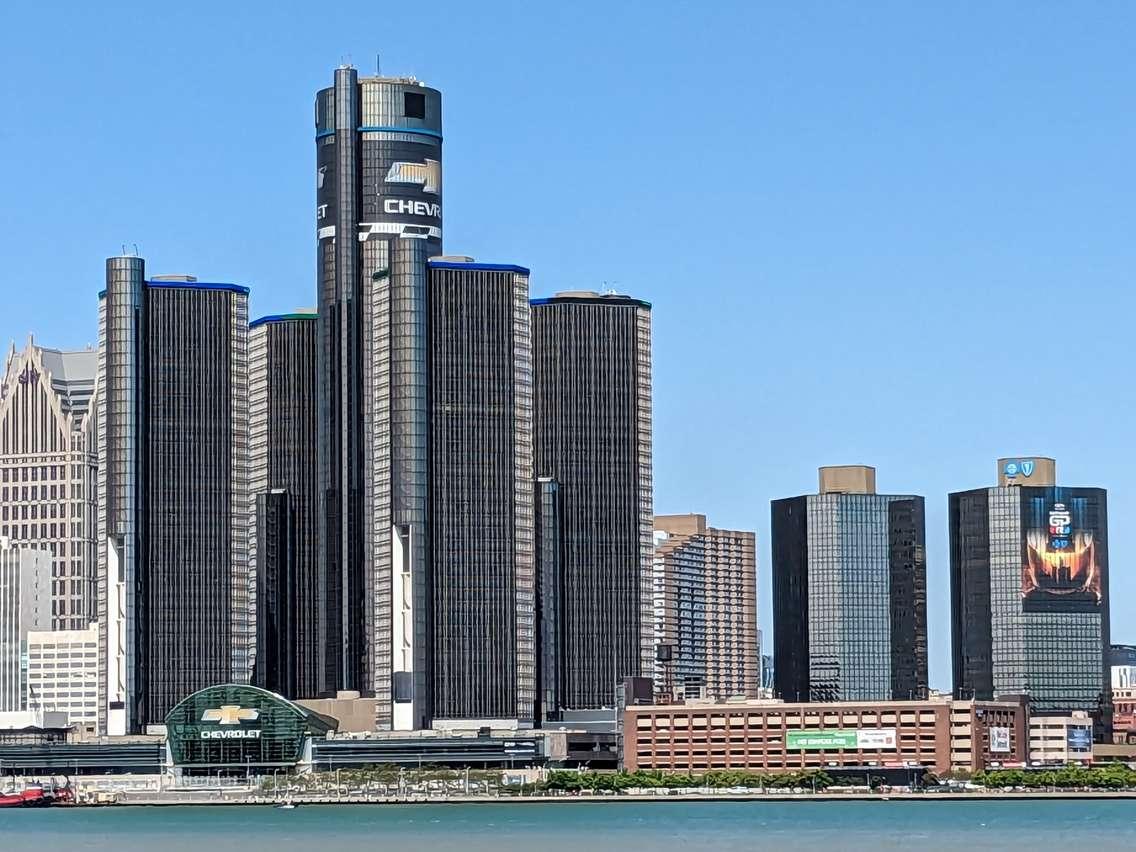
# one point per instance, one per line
(414, 104)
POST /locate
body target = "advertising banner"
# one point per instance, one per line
(1079, 739)
(1064, 557)
(402, 189)
(834, 740)
(878, 738)
(1000, 740)
(325, 189)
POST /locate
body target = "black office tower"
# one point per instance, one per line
(480, 477)
(1029, 593)
(849, 592)
(172, 415)
(549, 602)
(592, 426)
(378, 217)
(283, 539)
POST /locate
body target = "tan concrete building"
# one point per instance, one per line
(1061, 740)
(48, 464)
(939, 735)
(705, 610)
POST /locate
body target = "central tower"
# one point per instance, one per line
(378, 219)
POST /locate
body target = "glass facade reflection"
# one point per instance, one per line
(1029, 597)
(592, 421)
(378, 217)
(849, 588)
(173, 504)
(240, 728)
(480, 475)
(284, 511)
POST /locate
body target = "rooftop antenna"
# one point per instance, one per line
(378, 65)
(136, 249)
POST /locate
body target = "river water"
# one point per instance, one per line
(1085, 826)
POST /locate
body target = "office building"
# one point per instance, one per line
(480, 477)
(284, 516)
(767, 672)
(47, 468)
(592, 428)
(1122, 665)
(1061, 740)
(63, 674)
(25, 605)
(849, 592)
(705, 599)
(1029, 592)
(935, 734)
(378, 217)
(172, 421)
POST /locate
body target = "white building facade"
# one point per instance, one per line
(63, 673)
(25, 605)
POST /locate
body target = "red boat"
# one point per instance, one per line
(37, 797)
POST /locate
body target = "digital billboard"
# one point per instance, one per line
(1065, 555)
(873, 739)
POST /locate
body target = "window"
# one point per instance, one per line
(414, 104)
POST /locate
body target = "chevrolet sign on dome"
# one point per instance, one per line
(240, 725)
(230, 714)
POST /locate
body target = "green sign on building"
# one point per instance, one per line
(820, 740)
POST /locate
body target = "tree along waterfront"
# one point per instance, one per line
(1111, 776)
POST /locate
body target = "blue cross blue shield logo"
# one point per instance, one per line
(1027, 467)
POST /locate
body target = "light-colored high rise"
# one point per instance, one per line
(48, 466)
(62, 673)
(25, 605)
(705, 597)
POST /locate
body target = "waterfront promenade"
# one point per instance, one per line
(215, 797)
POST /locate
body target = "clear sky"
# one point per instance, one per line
(872, 232)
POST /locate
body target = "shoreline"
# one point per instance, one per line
(192, 800)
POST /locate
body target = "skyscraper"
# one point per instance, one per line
(705, 601)
(849, 592)
(25, 606)
(1029, 592)
(481, 491)
(284, 509)
(47, 469)
(592, 427)
(172, 421)
(378, 218)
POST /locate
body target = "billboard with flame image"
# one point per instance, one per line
(1064, 555)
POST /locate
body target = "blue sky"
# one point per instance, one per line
(873, 232)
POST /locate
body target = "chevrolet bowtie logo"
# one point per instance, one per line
(230, 714)
(429, 174)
